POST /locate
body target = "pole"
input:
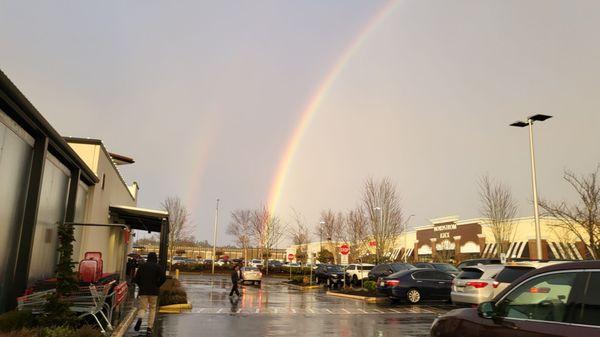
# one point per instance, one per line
(538, 234)
(214, 252)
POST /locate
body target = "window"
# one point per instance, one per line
(425, 275)
(470, 274)
(509, 274)
(352, 268)
(438, 275)
(544, 298)
(587, 309)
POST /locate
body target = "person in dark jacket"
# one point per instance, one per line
(149, 277)
(236, 276)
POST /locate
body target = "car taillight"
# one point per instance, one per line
(495, 284)
(392, 283)
(477, 284)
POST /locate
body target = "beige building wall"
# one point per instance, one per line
(111, 190)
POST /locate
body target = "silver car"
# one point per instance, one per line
(475, 284)
(251, 274)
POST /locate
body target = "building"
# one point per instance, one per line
(452, 239)
(46, 181)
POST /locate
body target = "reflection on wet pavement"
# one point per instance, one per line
(273, 309)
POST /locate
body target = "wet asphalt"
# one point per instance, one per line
(274, 309)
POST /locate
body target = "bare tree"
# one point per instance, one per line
(267, 230)
(180, 228)
(355, 232)
(382, 204)
(300, 236)
(240, 227)
(498, 208)
(331, 225)
(581, 219)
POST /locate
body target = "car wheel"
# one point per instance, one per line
(413, 296)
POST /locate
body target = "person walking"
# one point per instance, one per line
(236, 276)
(149, 277)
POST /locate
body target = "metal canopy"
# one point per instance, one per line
(139, 218)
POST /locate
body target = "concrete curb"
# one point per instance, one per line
(175, 308)
(121, 329)
(303, 288)
(367, 299)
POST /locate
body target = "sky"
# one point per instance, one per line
(207, 96)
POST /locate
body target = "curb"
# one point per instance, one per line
(121, 329)
(367, 299)
(174, 308)
(303, 288)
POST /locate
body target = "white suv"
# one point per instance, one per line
(514, 270)
(356, 272)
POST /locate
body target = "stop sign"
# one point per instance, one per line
(290, 256)
(344, 249)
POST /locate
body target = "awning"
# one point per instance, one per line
(139, 218)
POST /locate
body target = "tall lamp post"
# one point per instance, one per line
(214, 252)
(405, 237)
(522, 124)
(321, 223)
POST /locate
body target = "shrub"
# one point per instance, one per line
(58, 331)
(16, 320)
(19, 333)
(370, 285)
(171, 292)
(88, 331)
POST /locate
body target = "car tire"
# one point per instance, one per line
(413, 296)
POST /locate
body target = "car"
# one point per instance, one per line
(190, 261)
(474, 262)
(474, 285)
(330, 275)
(356, 272)
(445, 267)
(386, 269)
(415, 285)
(207, 261)
(177, 260)
(555, 300)
(514, 270)
(251, 274)
(255, 263)
(275, 263)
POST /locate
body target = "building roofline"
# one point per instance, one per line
(14, 103)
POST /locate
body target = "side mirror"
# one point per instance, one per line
(486, 310)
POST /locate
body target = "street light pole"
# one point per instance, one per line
(536, 214)
(214, 252)
(379, 226)
(406, 237)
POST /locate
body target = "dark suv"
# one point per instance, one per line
(330, 275)
(557, 300)
(386, 269)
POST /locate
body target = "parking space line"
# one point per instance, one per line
(377, 310)
(219, 311)
(239, 310)
(293, 311)
(346, 311)
(257, 310)
(275, 310)
(361, 310)
(201, 309)
(329, 311)
(312, 311)
(396, 311)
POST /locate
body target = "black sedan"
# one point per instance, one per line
(416, 285)
(330, 275)
(386, 269)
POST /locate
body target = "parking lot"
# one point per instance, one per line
(274, 309)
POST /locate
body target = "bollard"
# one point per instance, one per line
(177, 274)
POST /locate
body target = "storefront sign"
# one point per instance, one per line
(443, 228)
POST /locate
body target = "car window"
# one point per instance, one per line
(423, 265)
(543, 298)
(509, 274)
(425, 275)
(587, 309)
(378, 268)
(445, 267)
(469, 274)
(352, 268)
(400, 266)
(439, 275)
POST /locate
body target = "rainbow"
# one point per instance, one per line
(315, 101)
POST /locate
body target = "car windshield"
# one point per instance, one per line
(334, 269)
(470, 274)
(509, 274)
(445, 267)
(402, 266)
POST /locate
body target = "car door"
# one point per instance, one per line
(425, 281)
(443, 284)
(585, 313)
(539, 306)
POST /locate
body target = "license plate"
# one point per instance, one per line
(382, 284)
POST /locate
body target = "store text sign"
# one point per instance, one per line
(444, 230)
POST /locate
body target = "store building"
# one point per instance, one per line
(45, 181)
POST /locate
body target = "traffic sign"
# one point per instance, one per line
(344, 249)
(290, 257)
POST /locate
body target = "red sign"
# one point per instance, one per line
(291, 257)
(344, 249)
(373, 243)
